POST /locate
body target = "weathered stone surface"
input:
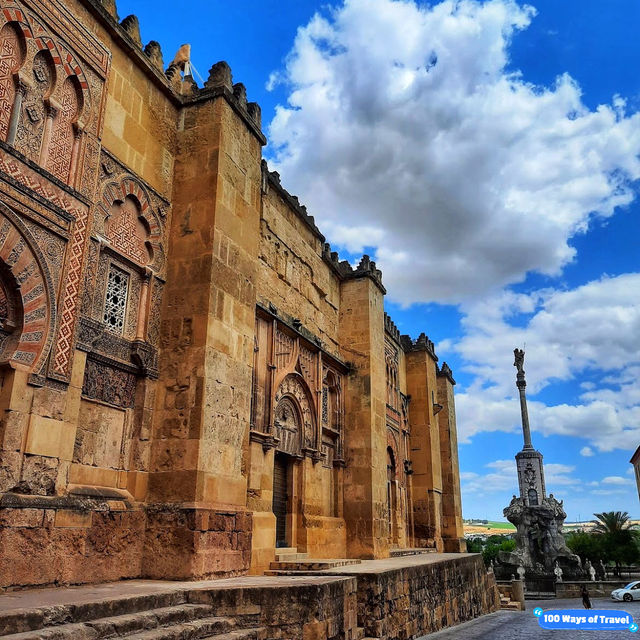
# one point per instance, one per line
(177, 329)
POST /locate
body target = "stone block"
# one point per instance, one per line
(72, 519)
(51, 438)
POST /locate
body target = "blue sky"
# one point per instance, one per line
(486, 154)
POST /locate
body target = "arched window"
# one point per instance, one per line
(12, 53)
(128, 231)
(533, 497)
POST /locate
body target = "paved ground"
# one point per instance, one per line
(523, 625)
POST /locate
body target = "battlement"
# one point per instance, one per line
(445, 372)
(175, 81)
(421, 344)
(390, 327)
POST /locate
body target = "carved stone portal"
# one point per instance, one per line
(294, 419)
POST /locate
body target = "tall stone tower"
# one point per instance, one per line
(540, 546)
(528, 461)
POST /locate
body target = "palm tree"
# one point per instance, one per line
(618, 537)
(612, 522)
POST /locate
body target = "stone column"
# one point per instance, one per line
(361, 333)
(201, 427)
(425, 443)
(452, 526)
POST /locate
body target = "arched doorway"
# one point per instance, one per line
(287, 431)
(391, 496)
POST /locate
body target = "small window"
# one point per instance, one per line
(533, 497)
(115, 304)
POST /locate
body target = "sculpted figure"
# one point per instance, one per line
(558, 572)
(519, 360)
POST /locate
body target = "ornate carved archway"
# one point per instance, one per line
(27, 305)
(293, 403)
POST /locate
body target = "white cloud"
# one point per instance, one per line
(587, 452)
(567, 334)
(616, 480)
(503, 478)
(403, 120)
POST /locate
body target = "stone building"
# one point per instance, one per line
(190, 377)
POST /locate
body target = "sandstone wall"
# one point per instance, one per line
(401, 604)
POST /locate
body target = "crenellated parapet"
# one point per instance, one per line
(366, 269)
(421, 344)
(342, 268)
(391, 328)
(445, 372)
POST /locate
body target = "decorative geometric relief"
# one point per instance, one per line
(115, 304)
(126, 230)
(33, 116)
(307, 361)
(69, 314)
(325, 406)
(127, 218)
(109, 384)
(11, 58)
(63, 134)
(284, 349)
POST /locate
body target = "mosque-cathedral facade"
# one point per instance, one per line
(190, 377)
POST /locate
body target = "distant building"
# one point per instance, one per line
(635, 461)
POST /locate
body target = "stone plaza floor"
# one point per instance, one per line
(523, 625)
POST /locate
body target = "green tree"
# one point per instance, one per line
(491, 550)
(586, 545)
(618, 537)
(474, 545)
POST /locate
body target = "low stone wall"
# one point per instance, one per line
(598, 588)
(55, 540)
(405, 598)
(61, 540)
(303, 609)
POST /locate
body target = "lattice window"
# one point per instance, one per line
(115, 305)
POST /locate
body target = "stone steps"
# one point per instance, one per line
(310, 564)
(179, 622)
(400, 553)
(291, 557)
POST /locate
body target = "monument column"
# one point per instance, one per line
(528, 461)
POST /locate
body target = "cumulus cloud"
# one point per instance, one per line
(406, 131)
(616, 480)
(503, 475)
(587, 452)
(567, 334)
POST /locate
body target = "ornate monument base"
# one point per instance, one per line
(540, 546)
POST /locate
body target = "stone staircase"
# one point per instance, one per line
(289, 560)
(163, 616)
(509, 605)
